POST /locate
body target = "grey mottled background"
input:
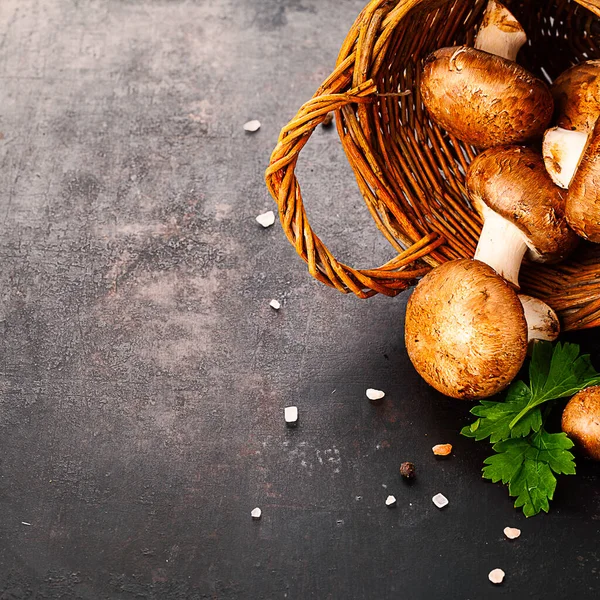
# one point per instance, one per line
(143, 372)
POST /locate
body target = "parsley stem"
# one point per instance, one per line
(520, 415)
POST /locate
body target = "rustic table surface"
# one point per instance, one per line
(144, 374)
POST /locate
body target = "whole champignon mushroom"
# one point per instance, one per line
(576, 96)
(522, 210)
(465, 330)
(581, 421)
(482, 99)
(480, 95)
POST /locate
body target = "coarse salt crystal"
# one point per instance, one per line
(440, 500)
(390, 501)
(256, 513)
(274, 304)
(291, 415)
(497, 576)
(266, 219)
(512, 533)
(328, 120)
(375, 394)
(252, 126)
(442, 449)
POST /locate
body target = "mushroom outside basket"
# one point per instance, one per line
(411, 172)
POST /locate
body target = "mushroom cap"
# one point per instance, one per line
(576, 94)
(581, 421)
(465, 330)
(583, 198)
(513, 182)
(483, 99)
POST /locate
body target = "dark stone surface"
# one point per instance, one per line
(143, 373)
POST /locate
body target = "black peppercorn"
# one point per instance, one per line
(407, 469)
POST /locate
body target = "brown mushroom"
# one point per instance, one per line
(583, 198)
(576, 94)
(482, 99)
(581, 421)
(571, 149)
(523, 211)
(573, 160)
(480, 95)
(465, 330)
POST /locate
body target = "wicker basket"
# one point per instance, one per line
(410, 172)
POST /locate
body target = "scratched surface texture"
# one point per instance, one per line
(143, 374)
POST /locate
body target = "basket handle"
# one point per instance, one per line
(390, 278)
(593, 5)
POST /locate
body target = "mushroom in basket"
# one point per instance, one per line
(480, 95)
(523, 211)
(571, 150)
(467, 330)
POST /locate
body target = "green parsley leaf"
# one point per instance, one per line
(531, 422)
(506, 464)
(558, 374)
(526, 457)
(534, 488)
(495, 418)
(552, 448)
(527, 465)
(553, 373)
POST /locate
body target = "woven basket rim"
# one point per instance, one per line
(352, 88)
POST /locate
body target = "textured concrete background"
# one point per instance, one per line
(143, 373)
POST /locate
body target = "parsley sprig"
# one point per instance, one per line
(527, 457)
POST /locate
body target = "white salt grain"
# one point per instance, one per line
(274, 304)
(252, 126)
(291, 415)
(266, 219)
(496, 576)
(512, 533)
(440, 500)
(375, 394)
(256, 513)
(390, 501)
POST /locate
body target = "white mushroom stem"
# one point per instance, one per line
(501, 245)
(500, 33)
(542, 322)
(563, 150)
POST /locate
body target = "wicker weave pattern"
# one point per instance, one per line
(409, 171)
